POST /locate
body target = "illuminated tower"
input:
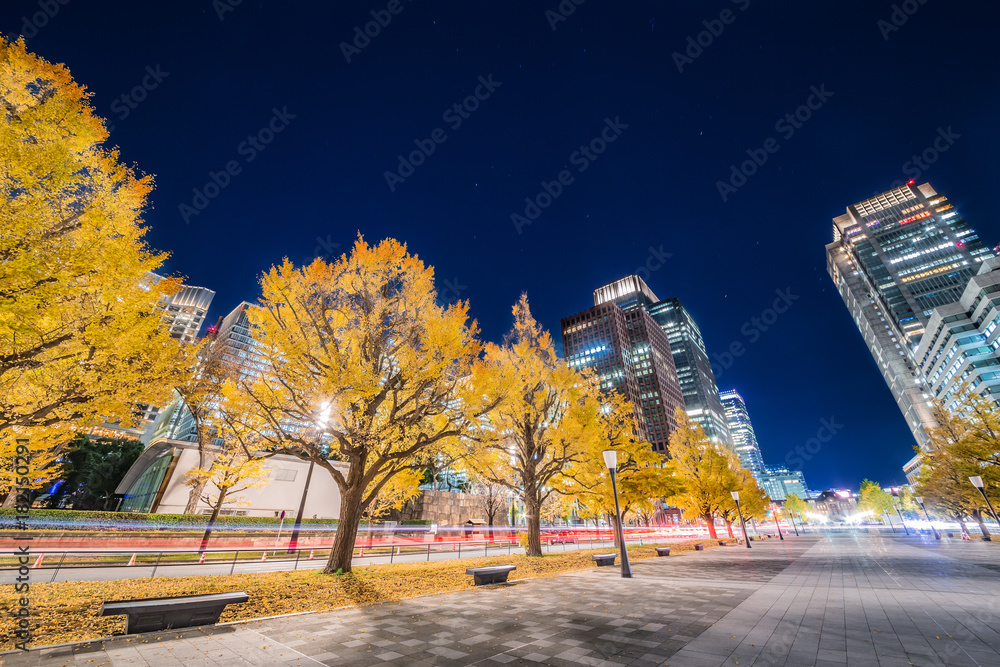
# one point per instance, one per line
(894, 259)
(744, 438)
(630, 353)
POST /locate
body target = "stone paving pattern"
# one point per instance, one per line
(811, 600)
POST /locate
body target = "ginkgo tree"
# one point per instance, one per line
(705, 470)
(642, 474)
(754, 501)
(81, 340)
(361, 365)
(544, 419)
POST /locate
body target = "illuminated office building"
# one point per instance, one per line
(779, 482)
(962, 344)
(741, 430)
(895, 258)
(629, 352)
(694, 370)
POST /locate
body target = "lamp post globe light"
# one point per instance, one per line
(920, 501)
(611, 461)
(977, 482)
(743, 524)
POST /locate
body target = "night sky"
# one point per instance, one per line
(219, 73)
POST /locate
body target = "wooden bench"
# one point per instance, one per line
(662, 551)
(699, 547)
(495, 574)
(723, 543)
(604, 559)
(185, 611)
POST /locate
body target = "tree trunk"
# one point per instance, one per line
(616, 527)
(11, 499)
(965, 531)
(342, 554)
(490, 517)
(211, 520)
(710, 520)
(197, 490)
(532, 517)
(729, 527)
(982, 526)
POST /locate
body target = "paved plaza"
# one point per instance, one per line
(811, 600)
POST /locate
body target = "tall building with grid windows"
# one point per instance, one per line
(962, 345)
(744, 438)
(629, 352)
(694, 370)
(895, 258)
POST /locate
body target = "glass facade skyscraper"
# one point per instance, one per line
(962, 343)
(630, 353)
(741, 430)
(895, 258)
(694, 370)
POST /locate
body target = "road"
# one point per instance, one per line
(48, 572)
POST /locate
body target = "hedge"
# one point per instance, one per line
(60, 518)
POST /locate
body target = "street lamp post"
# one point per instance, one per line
(977, 482)
(920, 501)
(791, 520)
(743, 523)
(774, 511)
(905, 530)
(889, 519)
(611, 460)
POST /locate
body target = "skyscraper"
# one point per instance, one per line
(894, 258)
(629, 352)
(741, 430)
(962, 346)
(694, 370)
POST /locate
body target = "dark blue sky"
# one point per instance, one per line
(652, 192)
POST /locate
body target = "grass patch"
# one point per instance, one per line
(67, 611)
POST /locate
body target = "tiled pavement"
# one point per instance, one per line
(854, 600)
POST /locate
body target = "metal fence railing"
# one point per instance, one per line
(224, 560)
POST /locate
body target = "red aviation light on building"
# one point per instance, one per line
(910, 182)
(960, 244)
